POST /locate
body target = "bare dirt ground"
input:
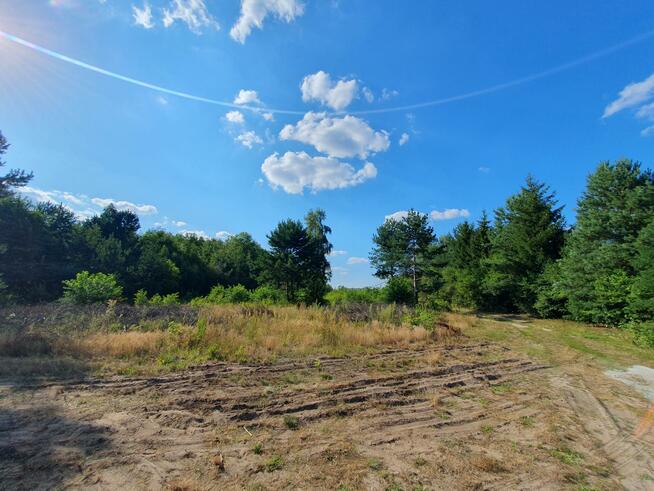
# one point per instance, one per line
(471, 415)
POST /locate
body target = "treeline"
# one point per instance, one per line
(601, 270)
(44, 244)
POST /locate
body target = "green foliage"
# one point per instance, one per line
(268, 295)
(87, 288)
(401, 248)
(141, 297)
(399, 290)
(643, 333)
(528, 235)
(641, 297)
(345, 296)
(601, 255)
(14, 178)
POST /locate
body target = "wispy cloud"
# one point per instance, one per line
(295, 171)
(254, 12)
(632, 95)
(223, 235)
(193, 13)
(335, 253)
(357, 260)
(122, 205)
(403, 139)
(143, 16)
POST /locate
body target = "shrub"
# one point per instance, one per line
(237, 294)
(399, 290)
(643, 334)
(344, 296)
(268, 295)
(170, 299)
(141, 297)
(87, 288)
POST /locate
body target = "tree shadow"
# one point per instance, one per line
(42, 449)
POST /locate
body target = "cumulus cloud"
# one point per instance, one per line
(632, 95)
(398, 215)
(249, 139)
(254, 12)
(357, 260)
(268, 116)
(247, 97)
(403, 139)
(320, 87)
(348, 136)
(193, 13)
(125, 206)
(449, 214)
(222, 235)
(143, 16)
(295, 171)
(235, 117)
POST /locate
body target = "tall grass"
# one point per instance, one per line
(235, 333)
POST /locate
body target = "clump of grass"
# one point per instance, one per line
(274, 463)
(567, 456)
(527, 421)
(257, 449)
(502, 388)
(375, 464)
(487, 464)
(487, 429)
(291, 422)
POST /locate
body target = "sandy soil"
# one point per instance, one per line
(467, 416)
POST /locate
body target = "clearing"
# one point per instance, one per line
(511, 404)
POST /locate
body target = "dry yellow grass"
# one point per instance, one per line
(231, 333)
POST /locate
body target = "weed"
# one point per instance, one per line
(501, 388)
(527, 421)
(326, 376)
(419, 462)
(567, 456)
(375, 464)
(487, 429)
(291, 422)
(258, 448)
(274, 463)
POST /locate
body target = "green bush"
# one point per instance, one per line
(344, 296)
(87, 288)
(141, 298)
(399, 290)
(237, 294)
(643, 334)
(170, 299)
(268, 295)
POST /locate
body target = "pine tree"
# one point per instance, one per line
(599, 259)
(14, 178)
(529, 233)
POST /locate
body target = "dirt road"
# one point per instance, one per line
(472, 415)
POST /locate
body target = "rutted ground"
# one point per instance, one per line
(469, 415)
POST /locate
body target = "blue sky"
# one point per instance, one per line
(342, 73)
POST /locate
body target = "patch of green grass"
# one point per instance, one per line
(567, 456)
(375, 464)
(527, 421)
(502, 388)
(326, 376)
(487, 429)
(291, 422)
(274, 463)
(258, 448)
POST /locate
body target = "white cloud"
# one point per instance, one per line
(398, 215)
(647, 131)
(320, 87)
(632, 95)
(201, 234)
(337, 253)
(125, 206)
(357, 260)
(449, 214)
(484, 170)
(338, 137)
(235, 117)
(162, 100)
(295, 171)
(249, 139)
(254, 12)
(646, 112)
(81, 204)
(368, 95)
(222, 235)
(247, 97)
(268, 116)
(193, 13)
(403, 139)
(143, 17)
(388, 94)
(179, 223)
